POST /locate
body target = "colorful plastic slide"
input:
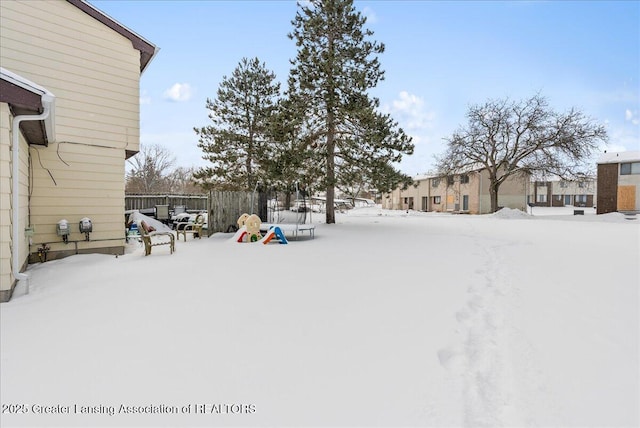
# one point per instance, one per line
(248, 228)
(249, 231)
(240, 234)
(274, 232)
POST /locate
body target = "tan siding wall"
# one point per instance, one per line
(391, 201)
(94, 74)
(92, 70)
(514, 186)
(23, 201)
(6, 278)
(91, 186)
(441, 190)
(6, 213)
(512, 194)
(512, 201)
(473, 192)
(422, 191)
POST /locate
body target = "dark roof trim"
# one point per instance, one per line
(147, 49)
(18, 96)
(28, 98)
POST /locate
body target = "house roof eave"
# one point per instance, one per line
(147, 49)
(25, 97)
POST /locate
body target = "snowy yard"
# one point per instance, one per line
(384, 319)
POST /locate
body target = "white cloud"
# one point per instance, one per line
(622, 137)
(631, 116)
(370, 15)
(409, 110)
(178, 92)
(414, 117)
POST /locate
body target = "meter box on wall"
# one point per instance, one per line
(62, 229)
(85, 227)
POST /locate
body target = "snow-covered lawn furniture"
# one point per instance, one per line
(194, 228)
(152, 238)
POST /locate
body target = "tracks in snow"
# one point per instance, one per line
(482, 365)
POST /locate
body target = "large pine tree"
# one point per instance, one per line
(289, 163)
(237, 142)
(335, 66)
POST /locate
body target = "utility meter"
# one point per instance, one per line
(62, 229)
(86, 227)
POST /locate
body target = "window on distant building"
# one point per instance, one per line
(435, 182)
(629, 168)
(464, 178)
(563, 183)
(581, 184)
(542, 197)
(450, 180)
(436, 199)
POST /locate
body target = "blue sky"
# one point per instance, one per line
(441, 57)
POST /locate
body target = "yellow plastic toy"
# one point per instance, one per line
(242, 219)
(249, 228)
(253, 228)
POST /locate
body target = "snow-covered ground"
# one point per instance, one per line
(386, 318)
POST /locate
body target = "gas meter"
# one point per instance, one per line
(62, 229)
(86, 227)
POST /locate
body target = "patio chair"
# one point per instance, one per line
(194, 228)
(152, 238)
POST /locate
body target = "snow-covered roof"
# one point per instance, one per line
(617, 157)
(474, 167)
(423, 177)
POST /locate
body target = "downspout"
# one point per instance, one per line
(47, 100)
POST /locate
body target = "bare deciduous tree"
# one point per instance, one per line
(181, 181)
(149, 170)
(510, 138)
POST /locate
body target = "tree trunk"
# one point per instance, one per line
(331, 173)
(248, 164)
(331, 132)
(287, 198)
(493, 192)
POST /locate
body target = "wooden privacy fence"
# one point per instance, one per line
(144, 202)
(223, 208)
(226, 207)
